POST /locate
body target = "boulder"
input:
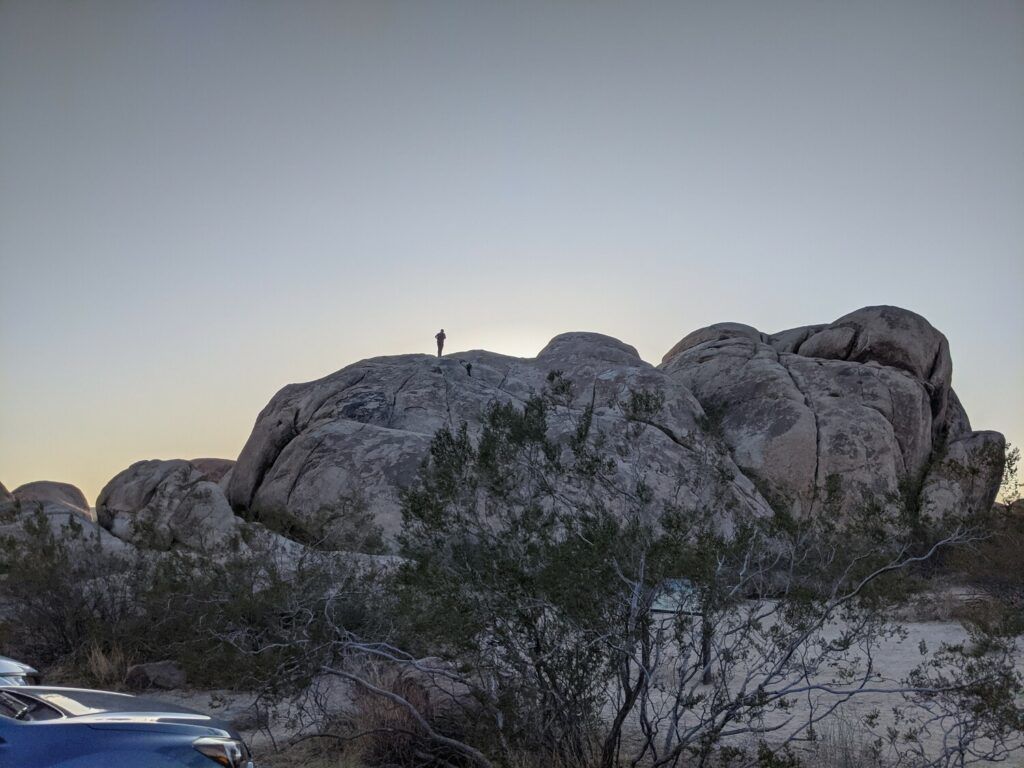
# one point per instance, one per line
(5, 495)
(790, 341)
(157, 504)
(832, 415)
(962, 480)
(331, 456)
(168, 505)
(716, 332)
(23, 522)
(158, 674)
(892, 337)
(49, 490)
(886, 335)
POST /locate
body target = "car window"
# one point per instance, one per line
(19, 707)
(10, 706)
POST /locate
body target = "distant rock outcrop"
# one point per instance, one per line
(59, 509)
(49, 490)
(21, 521)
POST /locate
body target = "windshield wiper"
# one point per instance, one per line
(16, 705)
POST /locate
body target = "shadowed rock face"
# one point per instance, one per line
(213, 470)
(813, 420)
(963, 474)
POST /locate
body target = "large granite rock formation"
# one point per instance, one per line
(328, 452)
(823, 416)
(812, 420)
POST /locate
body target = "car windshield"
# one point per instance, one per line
(75, 703)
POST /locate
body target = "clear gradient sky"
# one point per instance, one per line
(203, 201)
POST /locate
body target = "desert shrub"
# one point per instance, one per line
(232, 620)
(522, 574)
(106, 666)
(992, 566)
(250, 621)
(380, 732)
(63, 599)
(346, 524)
(527, 624)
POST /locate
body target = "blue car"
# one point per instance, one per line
(46, 727)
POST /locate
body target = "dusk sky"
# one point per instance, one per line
(201, 202)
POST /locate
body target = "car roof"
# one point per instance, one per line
(78, 702)
(97, 708)
(63, 689)
(10, 666)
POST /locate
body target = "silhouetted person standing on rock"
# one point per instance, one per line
(440, 341)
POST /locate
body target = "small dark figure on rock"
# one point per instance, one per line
(440, 341)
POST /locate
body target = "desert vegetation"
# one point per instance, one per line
(547, 609)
